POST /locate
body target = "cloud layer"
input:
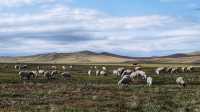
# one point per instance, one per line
(60, 27)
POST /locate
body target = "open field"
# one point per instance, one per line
(98, 94)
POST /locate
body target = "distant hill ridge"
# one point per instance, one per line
(103, 57)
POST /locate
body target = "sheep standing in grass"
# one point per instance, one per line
(71, 67)
(104, 68)
(133, 75)
(124, 82)
(120, 71)
(40, 73)
(26, 75)
(97, 72)
(137, 68)
(115, 72)
(142, 74)
(189, 69)
(103, 73)
(89, 72)
(180, 81)
(47, 74)
(16, 67)
(66, 75)
(183, 69)
(126, 72)
(95, 67)
(149, 81)
(158, 70)
(168, 69)
(64, 68)
(174, 70)
(138, 73)
(53, 67)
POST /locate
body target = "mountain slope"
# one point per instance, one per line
(104, 57)
(76, 57)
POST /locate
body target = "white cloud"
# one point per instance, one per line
(108, 33)
(14, 3)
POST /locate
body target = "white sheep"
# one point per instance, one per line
(137, 68)
(26, 75)
(160, 69)
(124, 82)
(64, 68)
(174, 70)
(120, 71)
(115, 72)
(89, 72)
(189, 69)
(149, 81)
(95, 67)
(66, 75)
(104, 68)
(97, 72)
(126, 72)
(142, 74)
(71, 67)
(183, 69)
(53, 67)
(168, 69)
(102, 72)
(180, 81)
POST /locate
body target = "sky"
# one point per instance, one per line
(127, 27)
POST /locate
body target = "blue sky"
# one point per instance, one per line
(126, 27)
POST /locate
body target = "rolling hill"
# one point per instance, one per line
(104, 57)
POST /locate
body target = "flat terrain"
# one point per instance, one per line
(98, 94)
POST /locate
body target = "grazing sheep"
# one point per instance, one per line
(189, 69)
(168, 69)
(26, 75)
(133, 75)
(54, 73)
(64, 68)
(103, 73)
(53, 67)
(51, 74)
(142, 74)
(174, 70)
(89, 72)
(21, 67)
(149, 81)
(137, 68)
(47, 74)
(115, 72)
(180, 81)
(138, 73)
(95, 67)
(40, 73)
(120, 71)
(66, 75)
(16, 67)
(71, 67)
(97, 72)
(104, 68)
(126, 72)
(38, 67)
(160, 69)
(183, 69)
(35, 73)
(124, 82)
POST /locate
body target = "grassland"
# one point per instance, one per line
(98, 94)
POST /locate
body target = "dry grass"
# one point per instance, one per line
(98, 94)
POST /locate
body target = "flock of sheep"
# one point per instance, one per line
(26, 74)
(127, 76)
